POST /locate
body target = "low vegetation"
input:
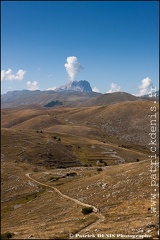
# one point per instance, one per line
(72, 174)
(99, 169)
(7, 235)
(87, 210)
(95, 155)
(52, 179)
(53, 103)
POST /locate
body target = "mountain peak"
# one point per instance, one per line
(78, 86)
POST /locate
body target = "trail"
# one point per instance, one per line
(95, 210)
(86, 229)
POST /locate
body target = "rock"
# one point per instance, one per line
(78, 86)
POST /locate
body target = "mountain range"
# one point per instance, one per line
(73, 94)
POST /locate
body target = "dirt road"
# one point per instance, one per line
(95, 210)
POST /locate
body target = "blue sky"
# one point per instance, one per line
(116, 43)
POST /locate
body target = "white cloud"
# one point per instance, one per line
(32, 85)
(73, 67)
(145, 86)
(95, 90)
(51, 88)
(114, 88)
(8, 75)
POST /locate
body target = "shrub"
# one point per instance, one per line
(87, 210)
(7, 235)
(85, 165)
(35, 169)
(99, 169)
(72, 174)
(53, 103)
(51, 179)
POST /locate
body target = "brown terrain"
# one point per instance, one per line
(56, 161)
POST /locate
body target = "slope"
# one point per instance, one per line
(127, 123)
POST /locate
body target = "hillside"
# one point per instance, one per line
(32, 210)
(127, 121)
(110, 98)
(57, 160)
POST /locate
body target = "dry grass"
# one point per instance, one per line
(121, 191)
(126, 122)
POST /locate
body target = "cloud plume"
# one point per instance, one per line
(95, 89)
(51, 88)
(8, 75)
(32, 85)
(114, 88)
(145, 86)
(73, 67)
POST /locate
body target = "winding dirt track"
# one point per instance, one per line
(95, 210)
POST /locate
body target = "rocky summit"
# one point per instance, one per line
(78, 86)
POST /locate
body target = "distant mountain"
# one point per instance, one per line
(43, 98)
(78, 86)
(73, 94)
(113, 98)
